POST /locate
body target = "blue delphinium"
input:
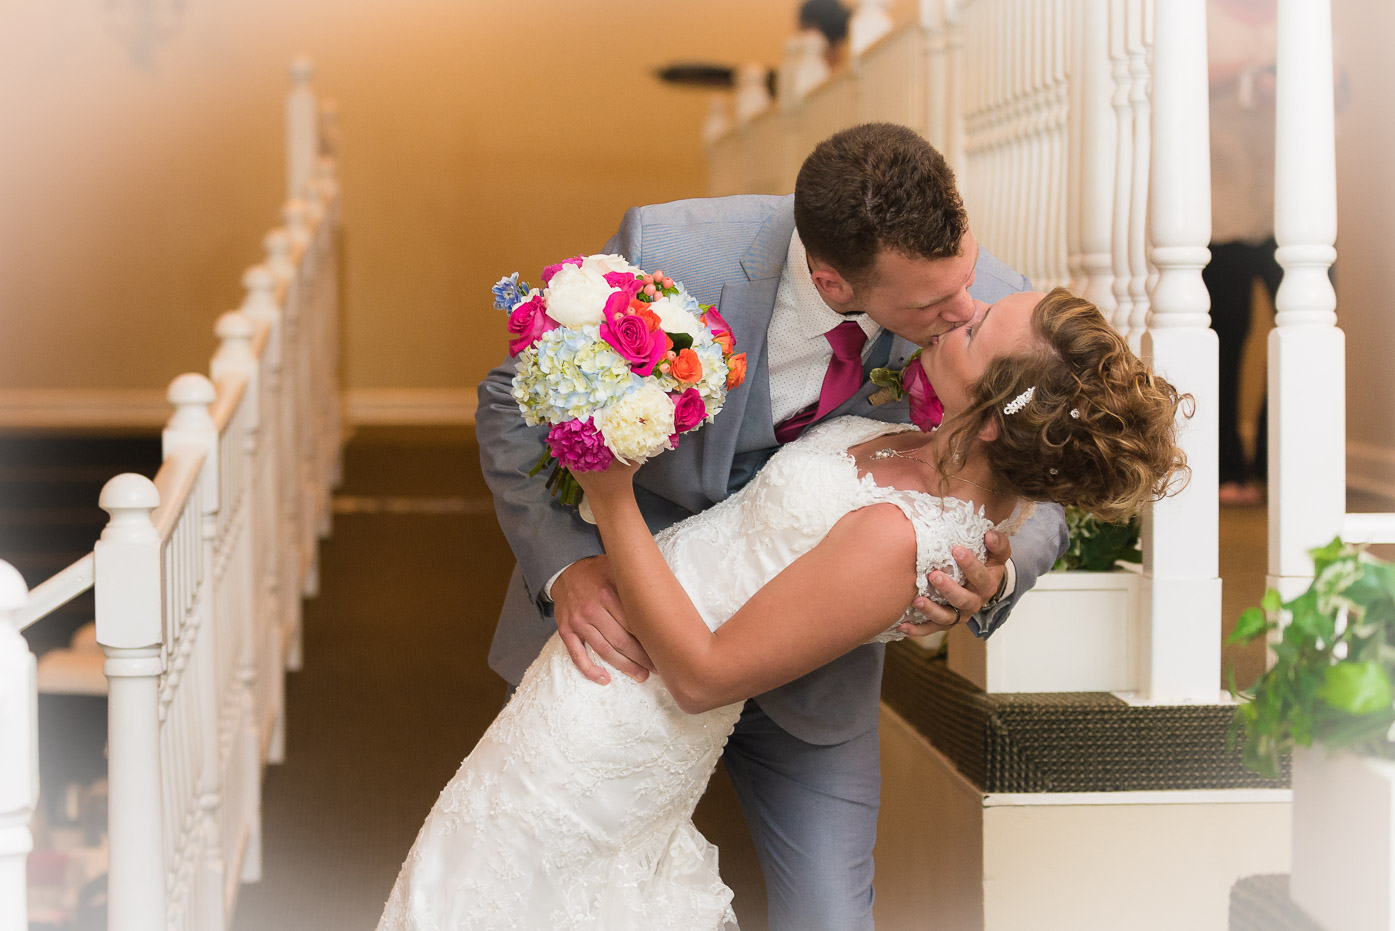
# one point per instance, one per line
(509, 291)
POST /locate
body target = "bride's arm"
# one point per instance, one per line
(852, 586)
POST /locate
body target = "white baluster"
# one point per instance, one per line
(718, 123)
(19, 750)
(331, 135)
(1180, 644)
(752, 92)
(191, 425)
(260, 301)
(234, 330)
(293, 214)
(278, 254)
(804, 69)
(1307, 426)
(1139, 41)
(1123, 162)
(302, 129)
(869, 24)
(1095, 169)
(128, 590)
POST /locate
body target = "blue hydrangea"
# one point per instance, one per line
(509, 291)
(568, 374)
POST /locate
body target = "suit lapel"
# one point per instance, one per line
(745, 421)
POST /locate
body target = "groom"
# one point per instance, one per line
(870, 257)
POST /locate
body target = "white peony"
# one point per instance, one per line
(609, 263)
(674, 318)
(576, 296)
(639, 424)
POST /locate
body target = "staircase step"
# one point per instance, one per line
(1063, 741)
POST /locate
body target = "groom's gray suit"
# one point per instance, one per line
(804, 757)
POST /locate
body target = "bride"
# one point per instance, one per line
(574, 810)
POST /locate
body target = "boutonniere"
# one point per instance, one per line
(909, 382)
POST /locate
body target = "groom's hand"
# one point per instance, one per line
(587, 609)
(982, 579)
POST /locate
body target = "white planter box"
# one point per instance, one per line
(1073, 632)
(1344, 840)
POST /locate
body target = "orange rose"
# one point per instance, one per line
(687, 367)
(736, 370)
(643, 312)
(724, 340)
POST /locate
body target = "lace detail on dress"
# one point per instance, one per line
(574, 810)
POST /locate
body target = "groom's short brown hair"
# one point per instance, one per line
(872, 187)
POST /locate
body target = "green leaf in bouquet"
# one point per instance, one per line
(887, 378)
(681, 341)
(1252, 624)
(1357, 688)
(543, 462)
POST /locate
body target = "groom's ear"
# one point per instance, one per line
(833, 287)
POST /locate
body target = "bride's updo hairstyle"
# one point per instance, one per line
(1099, 431)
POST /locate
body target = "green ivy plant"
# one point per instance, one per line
(1095, 546)
(1334, 663)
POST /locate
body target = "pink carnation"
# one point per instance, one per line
(527, 322)
(689, 411)
(926, 409)
(554, 269)
(579, 446)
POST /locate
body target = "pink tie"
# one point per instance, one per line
(840, 382)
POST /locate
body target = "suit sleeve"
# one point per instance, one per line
(545, 537)
(1035, 549)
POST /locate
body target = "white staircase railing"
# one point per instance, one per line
(1078, 131)
(198, 580)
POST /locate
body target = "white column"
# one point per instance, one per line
(19, 751)
(1179, 649)
(1307, 397)
(1094, 168)
(129, 625)
(718, 123)
(1139, 43)
(302, 129)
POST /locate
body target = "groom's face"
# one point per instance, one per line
(919, 298)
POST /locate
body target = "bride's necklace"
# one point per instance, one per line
(889, 453)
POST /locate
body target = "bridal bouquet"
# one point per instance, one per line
(616, 361)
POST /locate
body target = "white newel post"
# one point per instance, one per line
(128, 607)
(302, 129)
(19, 751)
(1093, 172)
(868, 24)
(1307, 391)
(1179, 647)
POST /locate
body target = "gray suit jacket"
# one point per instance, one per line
(727, 251)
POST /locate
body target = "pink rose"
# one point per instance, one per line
(528, 321)
(554, 269)
(689, 411)
(924, 403)
(630, 336)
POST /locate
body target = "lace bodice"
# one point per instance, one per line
(574, 810)
(725, 555)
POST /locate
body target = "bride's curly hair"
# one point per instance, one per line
(1100, 430)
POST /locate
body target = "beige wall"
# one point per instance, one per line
(1364, 33)
(480, 138)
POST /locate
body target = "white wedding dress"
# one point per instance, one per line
(574, 809)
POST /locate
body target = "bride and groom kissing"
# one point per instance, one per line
(743, 585)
